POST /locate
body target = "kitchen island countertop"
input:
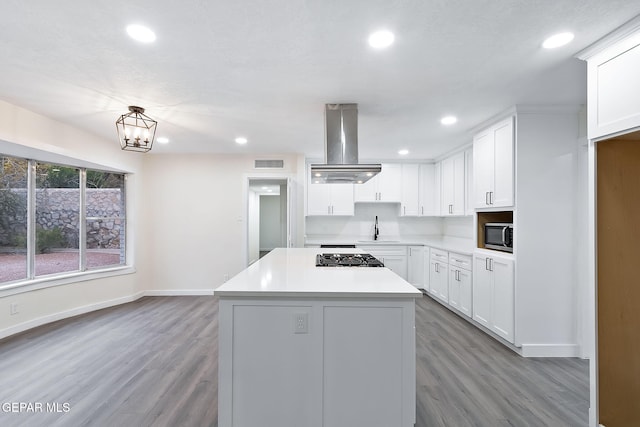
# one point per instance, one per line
(292, 272)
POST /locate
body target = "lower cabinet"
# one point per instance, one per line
(415, 266)
(394, 257)
(438, 274)
(460, 283)
(493, 293)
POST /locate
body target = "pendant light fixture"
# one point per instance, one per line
(136, 130)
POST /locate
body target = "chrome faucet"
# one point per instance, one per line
(376, 230)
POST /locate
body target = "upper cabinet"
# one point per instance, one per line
(613, 87)
(493, 166)
(329, 199)
(452, 185)
(418, 190)
(384, 187)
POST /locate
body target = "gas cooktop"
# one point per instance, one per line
(347, 260)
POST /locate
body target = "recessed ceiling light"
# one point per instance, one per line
(163, 140)
(448, 120)
(241, 140)
(318, 174)
(381, 39)
(264, 188)
(557, 40)
(403, 152)
(369, 174)
(141, 33)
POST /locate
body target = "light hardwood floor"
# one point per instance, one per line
(153, 362)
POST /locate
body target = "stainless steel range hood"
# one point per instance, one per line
(341, 149)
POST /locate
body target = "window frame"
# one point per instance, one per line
(83, 273)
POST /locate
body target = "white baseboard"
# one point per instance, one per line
(54, 317)
(177, 292)
(550, 350)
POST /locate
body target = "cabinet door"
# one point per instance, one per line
(429, 204)
(397, 264)
(483, 164)
(390, 183)
(454, 288)
(447, 186)
(458, 184)
(468, 182)
(613, 88)
(410, 205)
(465, 286)
(503, 284)
(341, 199)
(318, 199)
(439, 280)
(503, 164)
(367, 192)
(415, 266)
(482, 291)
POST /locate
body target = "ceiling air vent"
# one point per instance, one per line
(269, 164)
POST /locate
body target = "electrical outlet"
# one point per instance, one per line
(13, 308)
(300, 323)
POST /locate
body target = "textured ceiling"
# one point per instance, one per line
(264, 70)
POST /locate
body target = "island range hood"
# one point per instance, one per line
(341, 149)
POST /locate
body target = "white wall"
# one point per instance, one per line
(198, 227)
(546, 187)
(26, 134)
(270, 223)
(460, 227)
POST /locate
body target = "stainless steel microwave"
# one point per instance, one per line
(498, 236)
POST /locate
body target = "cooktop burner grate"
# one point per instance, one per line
(347, 260)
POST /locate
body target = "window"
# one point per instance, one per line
(13, 219)
(57, 219)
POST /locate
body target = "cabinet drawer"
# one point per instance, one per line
(439, 255)
(460, 261)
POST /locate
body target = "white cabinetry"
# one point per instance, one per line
(493, 165)
(419, 195)
(394, 257)
(452, 185)
(330, 199)
(468, 181)
(384, 187)
(415, 266)
(438, 274)
(410, 204)
(613, 88)
(493, 293)
(460, 281)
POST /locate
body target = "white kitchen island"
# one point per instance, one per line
(302, 345)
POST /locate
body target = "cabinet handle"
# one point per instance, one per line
(486, 264)
(421, 210)
(458, 275)
(486, 198)
(329, 209)
(404, 210)
(490, 264)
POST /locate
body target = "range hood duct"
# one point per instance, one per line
(341, 149)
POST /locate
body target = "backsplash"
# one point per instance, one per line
(391, 225)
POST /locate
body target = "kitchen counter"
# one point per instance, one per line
(450, 244)
(291, 272)
(309, 346)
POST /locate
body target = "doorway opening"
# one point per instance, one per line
(267, 216)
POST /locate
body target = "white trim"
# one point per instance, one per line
(54, 317)
(177, 292)
(50, 318)
(62, 279)
(610, 39)
(550, 350)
